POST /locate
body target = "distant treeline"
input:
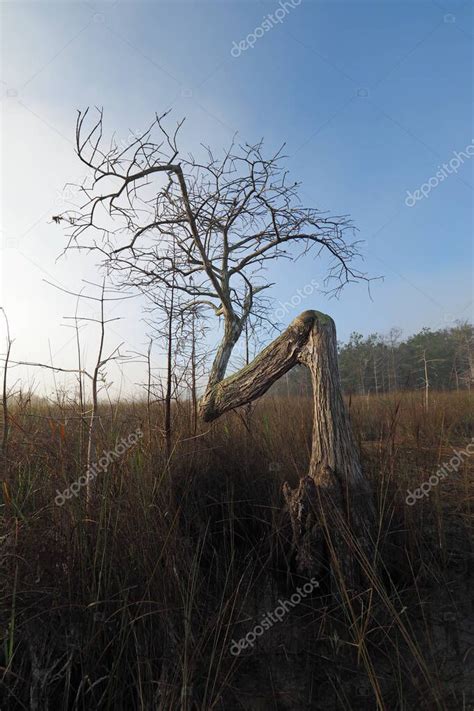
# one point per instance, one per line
(442, 360)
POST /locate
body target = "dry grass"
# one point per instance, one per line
(132, 603)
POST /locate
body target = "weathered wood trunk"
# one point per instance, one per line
(331, 510)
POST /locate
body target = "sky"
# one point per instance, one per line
(370, 98)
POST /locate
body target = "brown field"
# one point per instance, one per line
(132, 601)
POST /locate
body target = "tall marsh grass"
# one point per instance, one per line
(132, 600)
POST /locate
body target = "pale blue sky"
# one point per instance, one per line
(370, 98)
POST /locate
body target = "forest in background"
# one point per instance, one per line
(441, 360)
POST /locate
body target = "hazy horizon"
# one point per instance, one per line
(372, 100)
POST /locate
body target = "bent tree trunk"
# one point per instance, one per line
(331, 510)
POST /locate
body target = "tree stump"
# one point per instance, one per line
(332, 510)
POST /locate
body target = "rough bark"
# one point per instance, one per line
(232, 330)
(331, 510)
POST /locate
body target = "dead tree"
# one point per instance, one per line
(331, 511)
(192, 356)
(97, 376)
(5, 389)
(223, 219)
(164, 318)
